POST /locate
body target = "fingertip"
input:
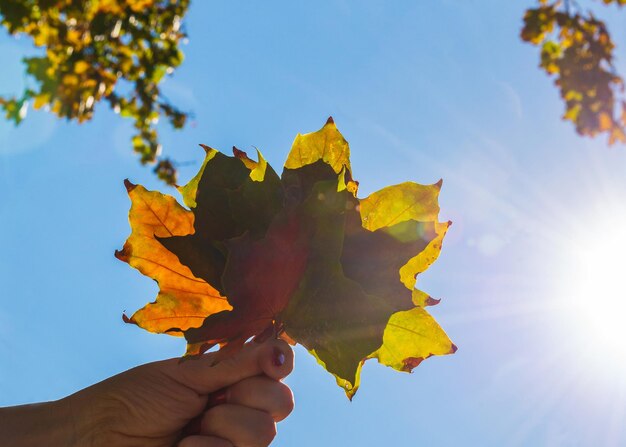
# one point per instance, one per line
(264, 394)
(287, 403)
(276, 359)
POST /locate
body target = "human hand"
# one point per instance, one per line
(153, 405)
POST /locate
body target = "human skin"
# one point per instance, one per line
(195, 403)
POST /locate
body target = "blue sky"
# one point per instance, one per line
(421, 93)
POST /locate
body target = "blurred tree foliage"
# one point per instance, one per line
(120, 50)
(576, 48)
(112, 50)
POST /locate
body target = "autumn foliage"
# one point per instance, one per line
(119, 51)
(576, 48)
(116, 51)
(298, 256)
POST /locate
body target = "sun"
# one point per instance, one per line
(595, 293)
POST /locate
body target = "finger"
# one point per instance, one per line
(243, 426)
(262, 393)
(273, 358)
(279, 363)
(204, 441)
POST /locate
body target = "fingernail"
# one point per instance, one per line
(278, 358)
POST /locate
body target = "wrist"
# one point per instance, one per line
(69, 422)
(48, 423)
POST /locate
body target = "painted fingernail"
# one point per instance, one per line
(278, 358)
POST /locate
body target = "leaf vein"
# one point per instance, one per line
(149, 206)
(170, 269)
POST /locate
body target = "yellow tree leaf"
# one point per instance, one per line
(426, 257)
(257, 168)
(190, 190)
(327, 144)
(365, 255)
(423, 299)
(410, 337)
(399, 203)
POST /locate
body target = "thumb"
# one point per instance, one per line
(274, 358)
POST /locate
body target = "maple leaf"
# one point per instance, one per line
(298, 255)
(183, 300)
